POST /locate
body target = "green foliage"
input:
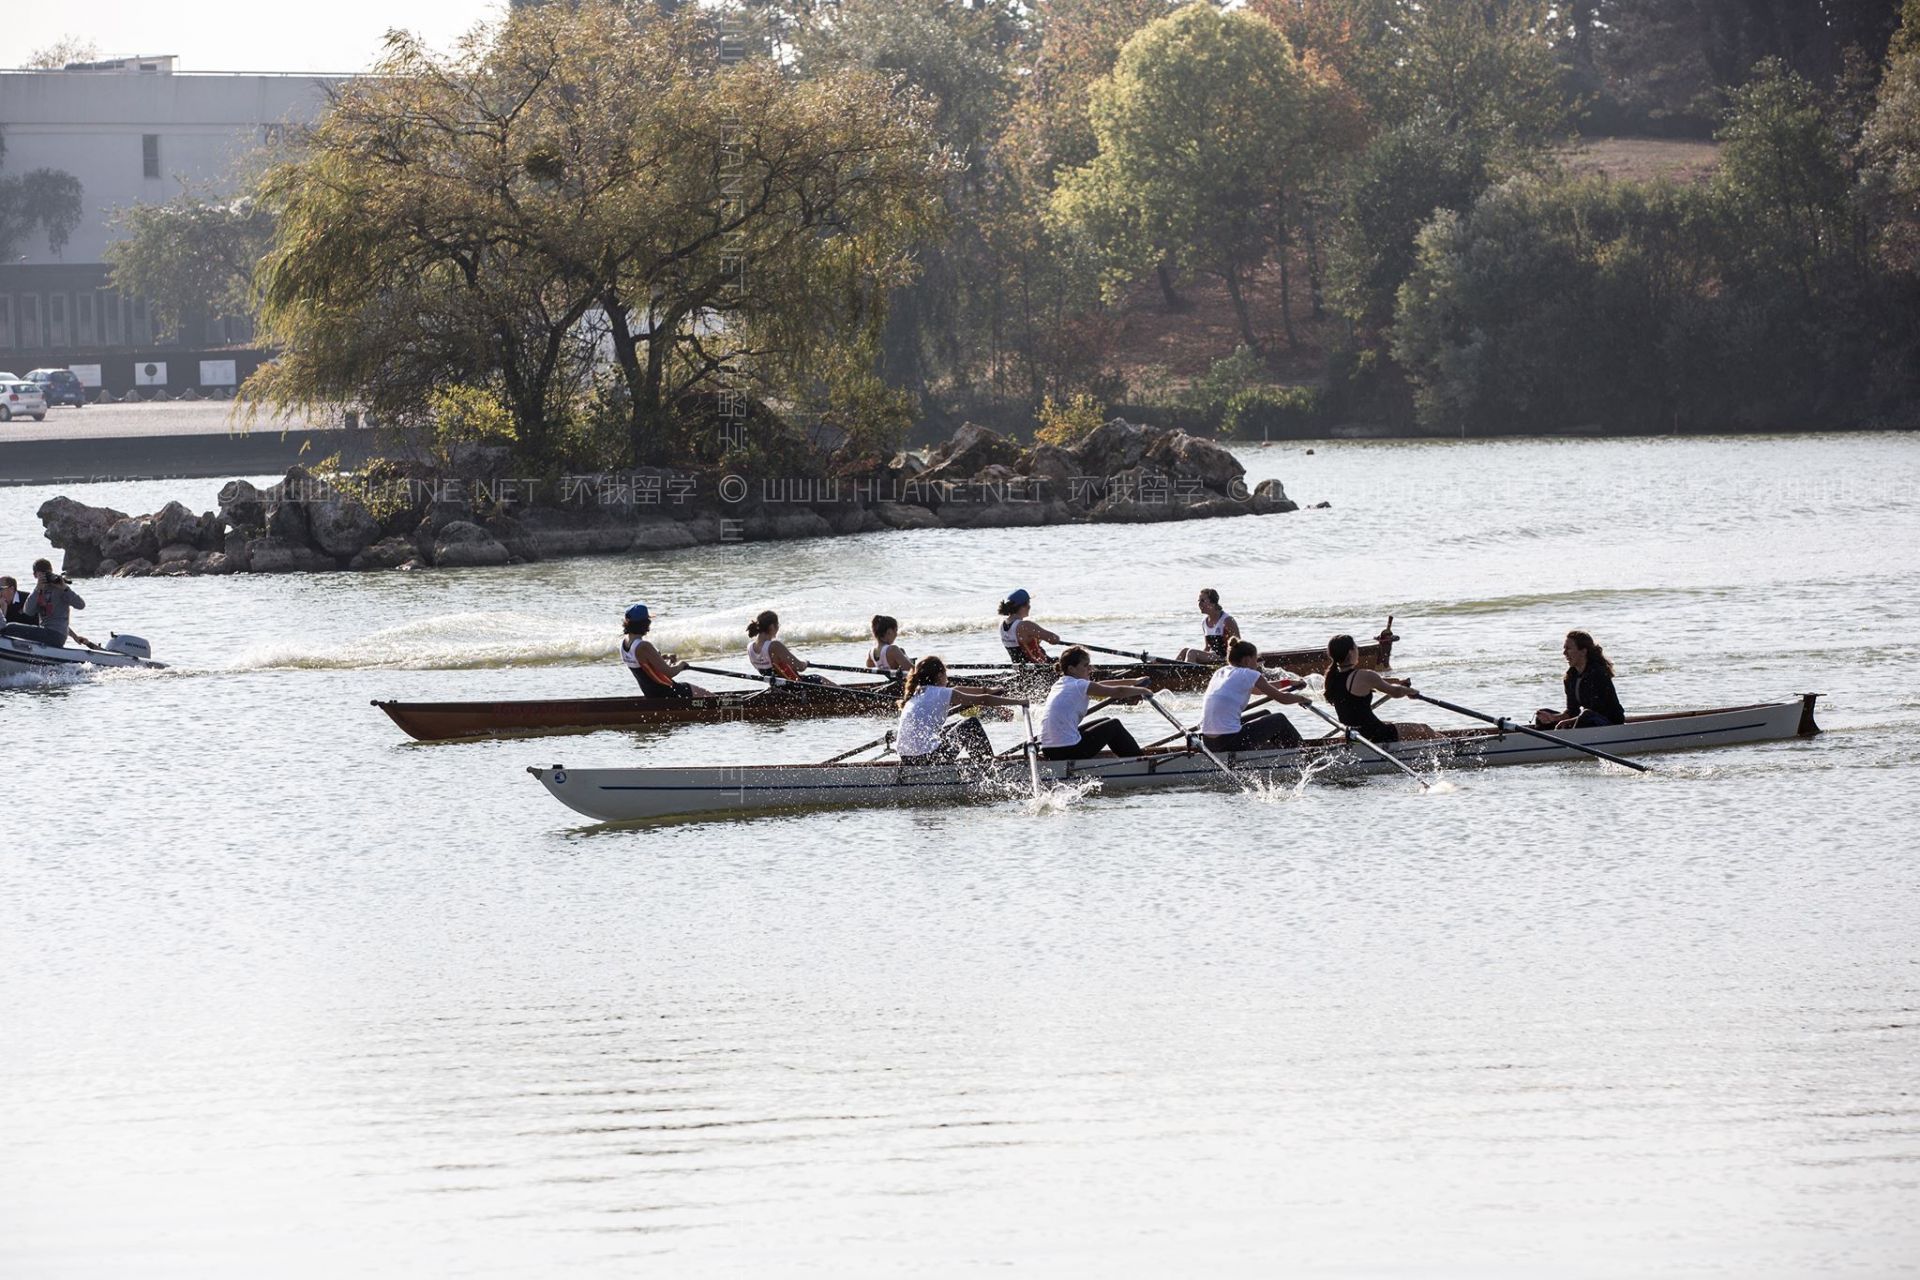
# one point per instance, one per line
(1266, 413)
(1393, 189)
(190, 256)
(1066, 424)
(1224, 379)
(40, 199)
(1783, 170)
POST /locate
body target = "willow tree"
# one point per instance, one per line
(582, 181)
(1206, 130)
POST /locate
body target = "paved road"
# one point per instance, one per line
(171, 418)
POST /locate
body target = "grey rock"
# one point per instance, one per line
(139, 568)
(1112, 447)
(342, 527)
(130, 539)
(176, 551)
(1194, 458)
(173, 523)
(275, 555)
(388, 553)
(287, 522)
(899, 515)
(78, 529)
(240, 505)
(972, 449)
(462, 544)
(212, 563)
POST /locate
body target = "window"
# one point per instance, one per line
(139, 331)
(56, 319)
(29, 320)
(6, 322)
(111, 328)
(150, 155)
(83, 331)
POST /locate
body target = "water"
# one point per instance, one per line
(286, 995)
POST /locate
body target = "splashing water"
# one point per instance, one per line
(1058, 797)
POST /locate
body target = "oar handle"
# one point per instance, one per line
(1351, 736)
(1511, 726)
(1140, 656)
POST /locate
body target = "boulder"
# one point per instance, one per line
(801, 524)
(463, 544)
(1194, 458)
(78, 529)
(669, 535)
(173, 524)
(902, 515)
(173, 569)
(130, 539)
(240, 505)
(1138, 495)
(388, 553)
(437, 516)
(275, 555)
(287, 522)
(342, 526)
(1112, 447)
(1051, 464)
(140, 568)
(105, 568)
(972, 449)
(173, 551)
(212, 563)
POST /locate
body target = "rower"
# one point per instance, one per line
(1020, 636)
(1062, 735)
(1591, 699)
(923, 736)
(1225, 723)
(887, 657)
(1350, 691)
(1217, 630)
(653, 670)
(771, 658)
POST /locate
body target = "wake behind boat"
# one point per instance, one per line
(26, 650)
(636, 794)
(453, 721)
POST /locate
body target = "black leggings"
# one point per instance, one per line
(963, 735)
(1096, 736)
(1260, 729)
(653, 688)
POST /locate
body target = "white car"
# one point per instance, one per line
(17, 397)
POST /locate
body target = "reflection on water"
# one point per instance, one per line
(288, 994)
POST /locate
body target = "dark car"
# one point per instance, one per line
(60, 386)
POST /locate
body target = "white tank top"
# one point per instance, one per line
(918, 733)
(1215, 628)
(1066, 706)
(1009, 633)
(1227, 696)
(627, 646)
(757, 656)
(878, 657)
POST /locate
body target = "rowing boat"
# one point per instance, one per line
(638, 794)
(526, 718)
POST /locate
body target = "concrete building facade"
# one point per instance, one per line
(132, 131)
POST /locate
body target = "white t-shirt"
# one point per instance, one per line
(1066, 706)
(1227, 695)
(921, 720)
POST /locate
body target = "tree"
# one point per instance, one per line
(46, 200)
(61, 52)
(1890, 150)
(1205, 133)
(581, 181)
(191, 256)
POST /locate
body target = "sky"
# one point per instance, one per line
(229, 35)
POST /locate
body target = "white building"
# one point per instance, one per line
(132, 131)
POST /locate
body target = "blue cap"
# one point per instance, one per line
(636, 613)
(1019, 597)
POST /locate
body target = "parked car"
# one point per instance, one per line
(18, 397)
(60, 386)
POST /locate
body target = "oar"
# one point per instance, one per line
(1141, 656)
(1033, 750)
(1382, 752)
(1507, 726)
(1195, 739)
(885, 739)
(1161, 742)
(784, 683)
(859, 671)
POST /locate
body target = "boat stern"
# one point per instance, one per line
(1807, 727)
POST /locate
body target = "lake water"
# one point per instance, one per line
(286, 995)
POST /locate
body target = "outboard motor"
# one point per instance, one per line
(130, 646)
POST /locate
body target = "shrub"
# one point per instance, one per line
(1065, 425)
(1226, 378)
(1262, 413)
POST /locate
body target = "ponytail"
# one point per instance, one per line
(882, 624)
(1008, 608)
(1596, 657)
(927, 671)
(766, 621)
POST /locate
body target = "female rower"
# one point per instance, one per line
(1225, 724)
(771, 658)
(1591, 699)
(1350, 690)
(1062, 736)
(1217, 628)
(653, 670)
(923, 735)
(1020, 636)
(887, 657)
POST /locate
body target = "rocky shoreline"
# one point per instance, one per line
(475, 512)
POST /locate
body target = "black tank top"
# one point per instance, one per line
(652, 686)
(1355, 710)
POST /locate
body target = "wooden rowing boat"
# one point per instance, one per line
(638, 794)
(452, 721)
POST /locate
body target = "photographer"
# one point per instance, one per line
(13, 601)
(51, 604)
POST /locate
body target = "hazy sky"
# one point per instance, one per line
(229, 35)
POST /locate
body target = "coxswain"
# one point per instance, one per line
(1217, 629)
(1591, 699)
(1350, 692)
(770, 657)
(1020, 636)
(886, 656)
(924, 736)
(1225, 722)
(1062, 735)
(653, 670)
